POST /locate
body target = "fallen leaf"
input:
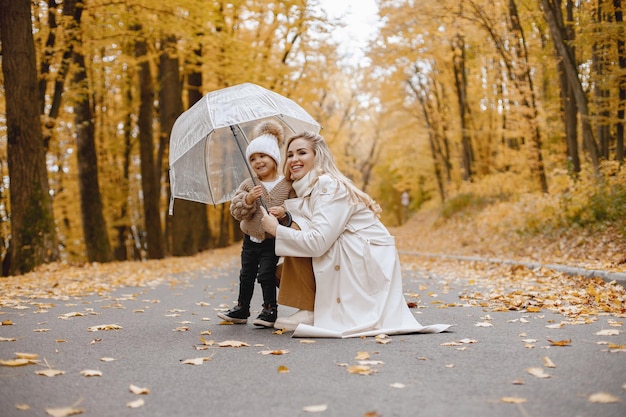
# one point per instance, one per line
(483, 324)
(397, 385)
(64, 412)
(91, 372)
(603, 397)
(8, 339)
(49, 372)
(560, 342)
(547, 362)
(279, 331)
(104, 327)
(181, 329)
(282, 369)
(608, 332)
(196, 361)
(513, 400)
(274, 352)
(41, 330)
(107, 359)
(72, 314)
(16, 362)
(362, 356)
(518, 381)
(138, 390)
(450, 365)
(361, 370)
(7, 323)
(307, 341)
(537, 372)
(383, 339)
(315, 408)
(139, 402)
(30, 356)
(232, 343)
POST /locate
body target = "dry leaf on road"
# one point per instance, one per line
(603, 397)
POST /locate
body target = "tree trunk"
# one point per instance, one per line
(95, 230)
(621, 51)
(529, 100)
(570, 113)
(187, 224)
(557, 29)
(33, 236)
(460, 81)
(601, 93)
(149, 174)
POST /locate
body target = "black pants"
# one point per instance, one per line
(258, 261)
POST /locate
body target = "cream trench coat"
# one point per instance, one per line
(357, 269)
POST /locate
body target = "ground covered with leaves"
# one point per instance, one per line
(427, 242)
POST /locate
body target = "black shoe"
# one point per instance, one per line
(237, 315)
(267, 317)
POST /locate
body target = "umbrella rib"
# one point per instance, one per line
(243, 155)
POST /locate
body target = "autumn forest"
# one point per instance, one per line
(456, 103)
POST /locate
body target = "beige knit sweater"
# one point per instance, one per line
(249, 215)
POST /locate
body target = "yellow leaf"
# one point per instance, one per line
(397, 385)
(64, 412)
(603, 397)
(91, 372)
(139, 402)
(533, 309)
(138, 390)
(232, 343)
(15, 362)
(362, 356)
(7, 323)
(8, 339)
(30, 356)
(50, 372)
(196, 361)
(104, 327)
(274, 352)
(41, 330)
(107, 359)
(279, 331)
(537, 372)
(307, 341)
(513, 400)
(282, 369)
(361, 370)
(560, 342)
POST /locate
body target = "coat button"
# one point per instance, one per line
(338, 300)
(324, 190)
(337, 267)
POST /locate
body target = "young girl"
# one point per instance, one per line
(258, 259)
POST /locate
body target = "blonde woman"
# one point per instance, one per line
(358, 280)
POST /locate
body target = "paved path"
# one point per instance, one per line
(472, 371)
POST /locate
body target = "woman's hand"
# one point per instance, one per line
(269, 222)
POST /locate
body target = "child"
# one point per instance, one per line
(258, 259)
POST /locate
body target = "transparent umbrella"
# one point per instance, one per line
(208, 141)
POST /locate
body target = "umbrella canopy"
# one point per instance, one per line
(208, 141)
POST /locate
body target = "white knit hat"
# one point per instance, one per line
(269, 135)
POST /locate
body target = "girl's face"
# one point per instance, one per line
(264, 166)
(300, 158)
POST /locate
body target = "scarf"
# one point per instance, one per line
(304, 185)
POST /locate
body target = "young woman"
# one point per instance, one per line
(358, 277)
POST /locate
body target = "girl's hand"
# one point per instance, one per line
(277, 211)
(254, 193)
(269, 222)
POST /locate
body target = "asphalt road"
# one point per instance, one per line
(480, 368)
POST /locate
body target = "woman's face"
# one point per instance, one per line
(300, 158)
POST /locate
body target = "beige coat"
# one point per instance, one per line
(357, 270)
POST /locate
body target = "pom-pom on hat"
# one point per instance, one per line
(267, 139)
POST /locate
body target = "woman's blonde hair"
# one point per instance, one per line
(325, 164)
